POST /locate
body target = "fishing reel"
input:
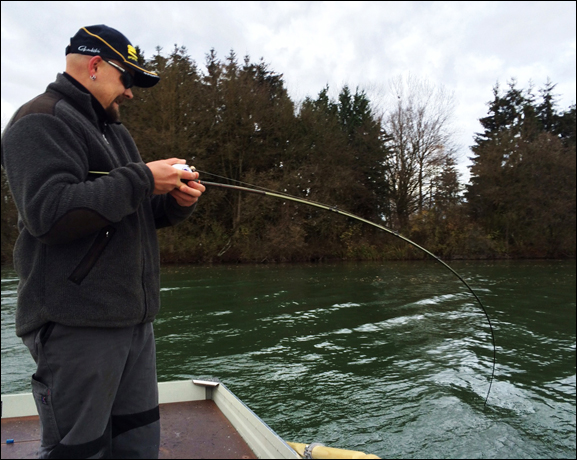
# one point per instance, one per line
(184, 168)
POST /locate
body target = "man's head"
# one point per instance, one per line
(110, 44)
(106, 63)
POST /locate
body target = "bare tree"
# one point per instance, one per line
(420, 139)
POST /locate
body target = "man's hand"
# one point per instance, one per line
(170, 180)
(189, 194)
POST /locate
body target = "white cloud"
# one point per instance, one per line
(465, 46)
(7, 112)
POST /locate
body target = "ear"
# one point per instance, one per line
(93, 64)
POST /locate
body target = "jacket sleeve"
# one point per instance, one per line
(47, 165)
(168, 212)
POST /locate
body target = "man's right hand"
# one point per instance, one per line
(167, 178)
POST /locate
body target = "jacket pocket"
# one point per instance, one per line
(92, 256)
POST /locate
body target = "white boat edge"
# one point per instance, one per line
(263, 441)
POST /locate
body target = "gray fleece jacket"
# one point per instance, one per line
(87, 253)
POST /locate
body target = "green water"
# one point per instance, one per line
(390, 358)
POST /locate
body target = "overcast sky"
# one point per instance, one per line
(465, 46)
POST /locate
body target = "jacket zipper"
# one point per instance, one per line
(103, 132)
(142, 275)
(145, 301)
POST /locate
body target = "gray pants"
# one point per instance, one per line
(96, 391)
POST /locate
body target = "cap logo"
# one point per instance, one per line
(85, 49)
(132, 53)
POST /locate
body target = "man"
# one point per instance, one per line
(87, 253)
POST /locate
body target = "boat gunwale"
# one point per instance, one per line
(260, 437)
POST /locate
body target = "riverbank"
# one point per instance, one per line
(175, 261)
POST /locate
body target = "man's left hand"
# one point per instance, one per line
(187, 195)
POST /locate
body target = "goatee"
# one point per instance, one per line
(113, 112)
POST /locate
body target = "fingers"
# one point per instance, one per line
(173, 161)
(186, 176)
(187, 195)
(183, 199)
(193, 188)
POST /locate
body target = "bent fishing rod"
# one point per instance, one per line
(285, 196)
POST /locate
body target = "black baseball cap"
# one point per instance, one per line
(104, 41)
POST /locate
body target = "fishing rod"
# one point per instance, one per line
(285, 196)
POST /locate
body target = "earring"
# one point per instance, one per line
(93, 77)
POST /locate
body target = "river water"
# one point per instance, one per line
(389, 358)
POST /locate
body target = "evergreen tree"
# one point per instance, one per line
(522, 187)
(546, 111)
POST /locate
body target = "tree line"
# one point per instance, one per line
(235, 122)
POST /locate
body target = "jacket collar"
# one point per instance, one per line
(81, 98)
(97, 106)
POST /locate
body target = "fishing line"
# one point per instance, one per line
(307, 201)
(263, 191)
(259, 187)
(282, 195)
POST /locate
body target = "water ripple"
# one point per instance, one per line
(393, 359)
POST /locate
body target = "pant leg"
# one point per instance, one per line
(135, 413)
(76, 384)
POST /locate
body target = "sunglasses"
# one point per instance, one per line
(125, 76)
